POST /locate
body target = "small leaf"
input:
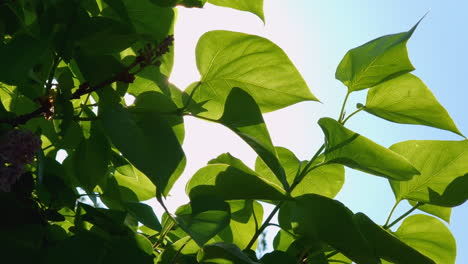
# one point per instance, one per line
(346, 147)
(443, 213)
(325, 180)
(223, 253)
(144, 214)
(229, 183)
(376, 61)
(444, 167)
(147, 141)
(247, 122)
(407, 100)
(91, 159)
(430, 237)
(252, 6)
(246, 218)
(228, 59)
(386, 246)
(315, 217)
(202, 219)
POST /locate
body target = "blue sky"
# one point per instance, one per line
(316, 35)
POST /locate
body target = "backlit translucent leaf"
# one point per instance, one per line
(387, 246)
(375, 61)
(253, 6)
(429, 236)
(407, 100)
(246, 218)
(325, 180)
(228, 59)
(202, 219)
(443, 213)
(229, 183)
(247, 122)
(223, 253)
(147, 141)
(182, 251)
(353, 150)
(320, 218)
(443, 166)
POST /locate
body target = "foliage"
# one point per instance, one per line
(66, 66)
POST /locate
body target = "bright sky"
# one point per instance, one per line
(316, 35)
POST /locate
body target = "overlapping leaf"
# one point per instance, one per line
(376, 61)
(443, 213)
(353, 150)
(407, 100)
(221, 253)
(253, 6)
(429, 236)
(247, 122)
(443, 166)
(228, 59)
(320, 218)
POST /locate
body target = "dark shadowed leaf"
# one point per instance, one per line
(144, 214)
(315, 217)
(429, 236)
(182, 251)
(375, 61)
(277, 257)
(247, 122)
(355, 151)
(407, 100)
(202, 219)
(147, 141)
(252, 6)
(387, 246)
(444, 167)
(230, 59)
(223, 253)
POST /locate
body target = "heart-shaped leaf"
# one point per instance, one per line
(228, 59)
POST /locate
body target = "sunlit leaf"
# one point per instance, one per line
(387, 246)
(443, 213)
(407, 100)
(247, 122)
(182, 251)
(320, 218)
(443, 166)
(230, 59)
(355, 151)
(253, 6)
(429, 236)
(202, 219)
(375, 61)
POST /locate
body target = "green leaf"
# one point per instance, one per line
(283, 240)
(144, 214)
(202, 219)
(444, 167)
(277, 257)
(228, 59)
(407, 100)
(223, 253)
(247, 122)
(97, 68)
(443, 213)
(182, 251)
(355, 151)
(430, 237)
(252, 6)
(376, 61)
(147, 141)
(185, 3)
(287, 160)
(246, 218)
(91, 159)
(325, 180)
(387, 246)
(315, 217)
(19, 56)
(229, 183)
